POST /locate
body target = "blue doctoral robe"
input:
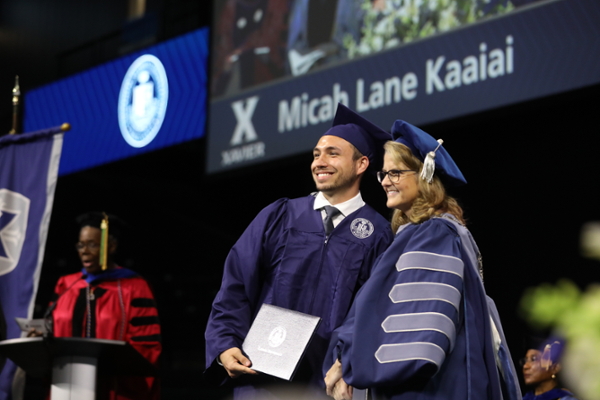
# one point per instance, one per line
(553, 394)
(283, 258)
(420, 327)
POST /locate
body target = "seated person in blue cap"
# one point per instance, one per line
(422, 326)
(540, 372)
(299, 256)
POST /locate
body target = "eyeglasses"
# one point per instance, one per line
(532, 359)
(90, 245)
(393, 174)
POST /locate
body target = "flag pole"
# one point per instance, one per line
(15, 100)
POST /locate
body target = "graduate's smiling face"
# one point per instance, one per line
(334, 168)
(401, 194)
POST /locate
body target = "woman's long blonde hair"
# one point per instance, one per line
(432, 199)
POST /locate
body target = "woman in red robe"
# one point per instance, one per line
(115, 304)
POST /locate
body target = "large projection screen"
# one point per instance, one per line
(144, 101)
(275, 83)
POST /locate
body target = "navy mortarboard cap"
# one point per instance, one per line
(551, 350)
(430, 152)
(367, 137)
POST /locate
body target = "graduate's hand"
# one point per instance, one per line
(235, 363)
(336, 386)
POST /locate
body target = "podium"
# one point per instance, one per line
(75, 362)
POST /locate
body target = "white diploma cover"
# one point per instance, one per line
(26, 324)
(278, 339)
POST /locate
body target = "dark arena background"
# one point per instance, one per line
(531, 161)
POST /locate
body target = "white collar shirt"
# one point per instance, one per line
(346, 208)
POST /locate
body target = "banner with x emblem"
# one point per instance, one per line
(28, 175)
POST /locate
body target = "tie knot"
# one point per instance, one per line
(331, 211)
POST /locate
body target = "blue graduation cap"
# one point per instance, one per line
(430, 152)
(367, 137)
(551, 350)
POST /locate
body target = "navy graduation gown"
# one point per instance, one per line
(284, 259)
(553, 394)
(420, 327)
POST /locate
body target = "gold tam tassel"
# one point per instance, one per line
(104, 242)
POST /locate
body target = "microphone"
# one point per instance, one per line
(48, 320)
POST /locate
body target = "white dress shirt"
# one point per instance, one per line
(346, 208)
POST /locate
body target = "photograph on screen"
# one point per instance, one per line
(276, 84)
(257, 41)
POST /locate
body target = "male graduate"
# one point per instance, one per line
(287, 258)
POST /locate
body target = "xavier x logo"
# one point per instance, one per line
(14, 213)
(5, 219)
(244, 130)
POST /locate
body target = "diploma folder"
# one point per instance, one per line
(278, 339)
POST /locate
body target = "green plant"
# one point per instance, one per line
(574, 315)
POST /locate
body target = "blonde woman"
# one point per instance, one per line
(422, 326)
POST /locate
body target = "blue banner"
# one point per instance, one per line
(28, 175)
(535, 51)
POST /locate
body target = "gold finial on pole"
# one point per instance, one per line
(15, 100)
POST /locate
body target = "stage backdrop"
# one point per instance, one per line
(140, 102)
(273, 97)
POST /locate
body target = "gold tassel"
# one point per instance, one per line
(104, 242)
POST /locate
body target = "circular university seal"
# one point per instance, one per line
(143, 100)
(277, 336)
(361, 228)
